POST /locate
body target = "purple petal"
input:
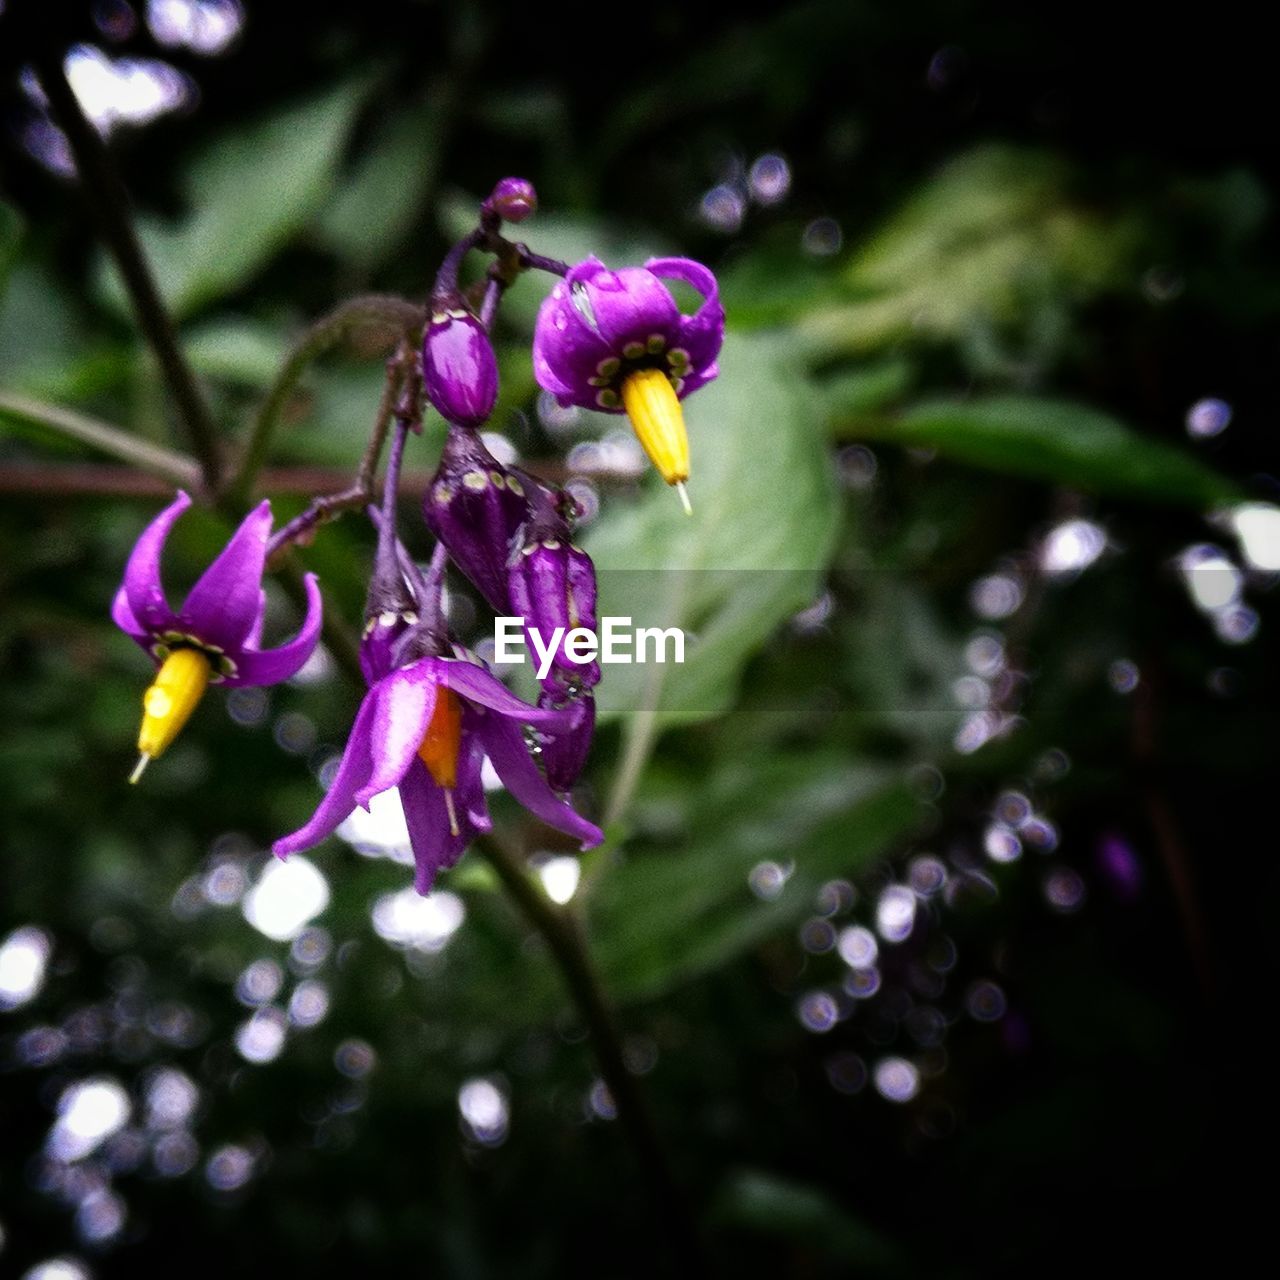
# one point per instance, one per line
(701, 334)
(223, 605)
(142, 584)
(270, 666)
(405, 701)
(435, 847)
(505, 744)
(254, 639)
(478, 686)
(340, 799)
(567, 350)
(630, 305)
(428, 821)
(123, 617)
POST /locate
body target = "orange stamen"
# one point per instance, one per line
(443, 740)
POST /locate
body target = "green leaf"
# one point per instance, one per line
(249, 193)
(993, 239)
(375, 205)
(1067, 444)
(237, 349)
(754, 551)
(774, 1206)
(663, 918)
(10, 237)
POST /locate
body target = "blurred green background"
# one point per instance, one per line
(935, 912)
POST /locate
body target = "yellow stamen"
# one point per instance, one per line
(443, 739)
(655, 413)
(167, 705)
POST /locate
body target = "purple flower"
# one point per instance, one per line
(214, 637)
(475, 506)
(426, 728)
(458, 366)
(616, 341)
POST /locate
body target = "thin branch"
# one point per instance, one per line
(356, 495)
(174, 467)
(109, 203)
(404, 319)
(562, 933)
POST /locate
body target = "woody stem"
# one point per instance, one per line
(562, 932)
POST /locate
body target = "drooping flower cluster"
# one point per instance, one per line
(433, 712)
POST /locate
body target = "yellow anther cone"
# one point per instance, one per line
(167, 705)
(655, 413)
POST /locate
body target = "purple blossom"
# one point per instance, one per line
(222, 614)
(214, 638)
(475, 506)
(458, 366)
(426, 728)
(598, 326)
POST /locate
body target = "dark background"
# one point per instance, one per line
(1117, 1112)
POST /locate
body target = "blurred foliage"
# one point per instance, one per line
(941, 637)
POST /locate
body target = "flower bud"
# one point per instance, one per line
(553, 585)
(565, 753)
(513, 200)
(459, 367)
(475, 506)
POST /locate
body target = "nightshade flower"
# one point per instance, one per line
(616, 341)
(426, 727)
(214, 637)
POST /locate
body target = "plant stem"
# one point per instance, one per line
(357, 494)
(109, 201)
(562, 932)
(402, 317)
(172, 466)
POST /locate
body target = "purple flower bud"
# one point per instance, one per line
(459, 367)
(553, 585)
(564, 753)
(475, 506)
(513, 200)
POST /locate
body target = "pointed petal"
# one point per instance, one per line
(142, 585)
(470, 791)
(123, 617)
(478, 686)
(340, 799)
(270, 666)
(701, 334)
(505, 744)
(428, 823)
(223, 605)
(405, 701)
(254, 639)
(629, 305)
